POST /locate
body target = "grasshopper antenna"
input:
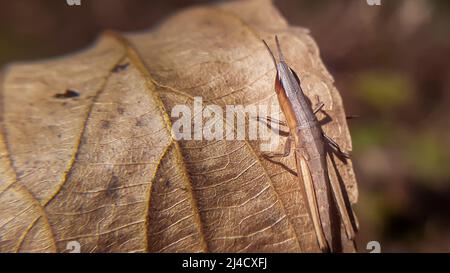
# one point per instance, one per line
(271, 54)
(281, 56)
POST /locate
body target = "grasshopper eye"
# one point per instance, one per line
(295, 75)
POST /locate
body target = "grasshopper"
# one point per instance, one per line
(320, 192)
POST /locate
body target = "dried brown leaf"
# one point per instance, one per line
(97, 163)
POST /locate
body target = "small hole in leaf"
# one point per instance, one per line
(67, 95)
(120, 67)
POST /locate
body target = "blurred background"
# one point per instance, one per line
(391, 64)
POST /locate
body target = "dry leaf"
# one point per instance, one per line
(87, 153)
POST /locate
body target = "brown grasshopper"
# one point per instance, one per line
(319, 191)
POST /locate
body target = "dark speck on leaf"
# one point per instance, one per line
(83, 140)
(120, 67)
(105, 124)
(112, 186)
(67, 95)
(120, 110)
(139, 123)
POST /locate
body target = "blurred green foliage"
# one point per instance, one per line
(428, 158)
(369, 134)
(384, 91)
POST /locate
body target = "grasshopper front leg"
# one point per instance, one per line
(286, 151)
